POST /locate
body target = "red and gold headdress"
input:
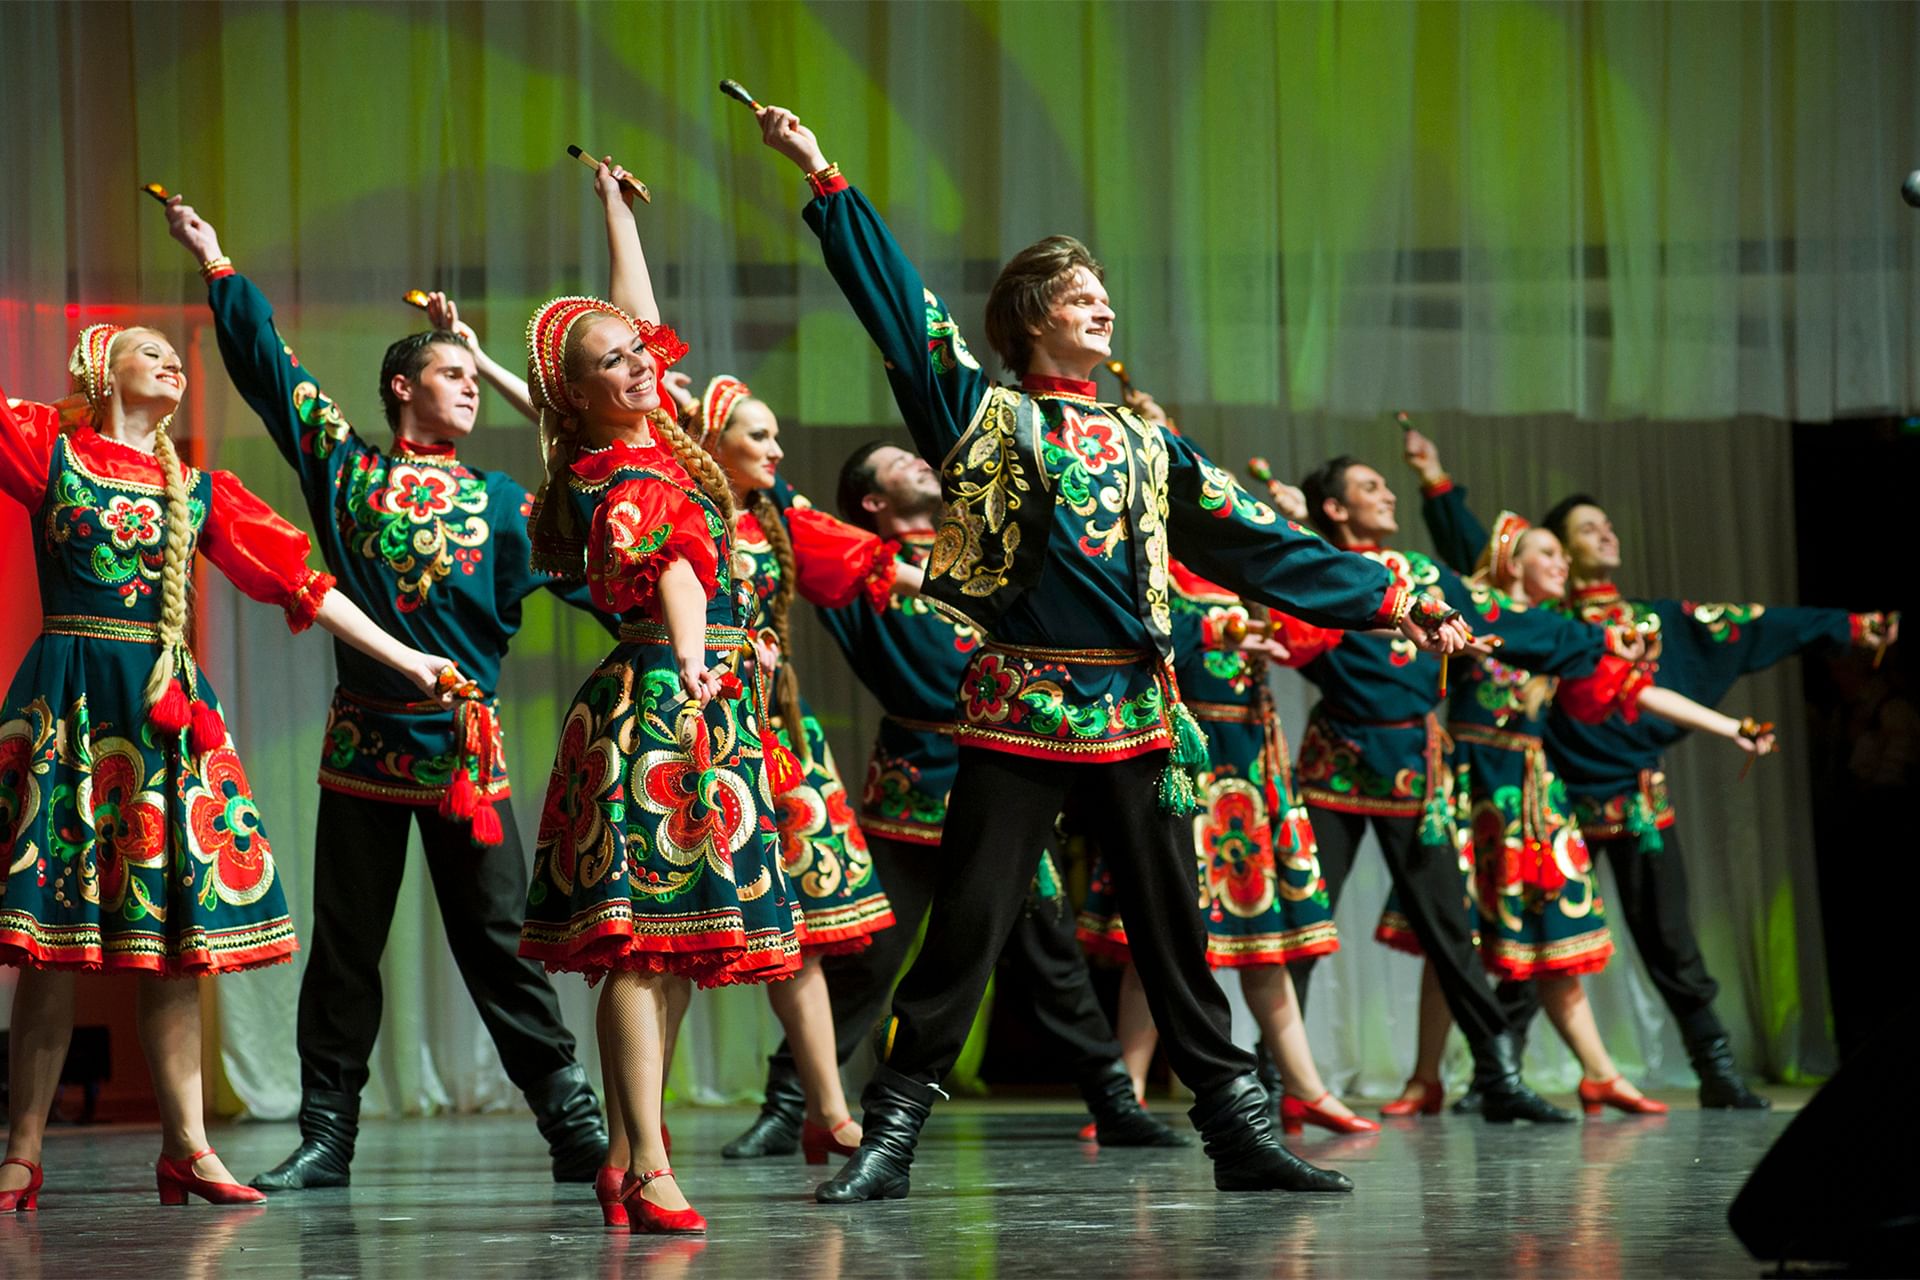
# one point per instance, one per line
(87, 365)
(1496, 562)
(717, 403)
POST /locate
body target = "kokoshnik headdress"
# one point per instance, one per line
(1496, 561)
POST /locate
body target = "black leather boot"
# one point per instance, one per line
(1119, 1119)
(1470, 1102)
(329, 1122)
(568, 1114)
(1236, 1124)
(1269, 1072)
(1505, 1097)
(776, 1130)
(894, 1107)
(1720, 1083)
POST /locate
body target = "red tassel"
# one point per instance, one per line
(783, 767)
(170, 716)
(461, 799)
(207, 731)
(486, 825)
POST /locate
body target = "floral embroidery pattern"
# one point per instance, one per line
(417, 520)
(133, 522)
(1723, 621)
(129, 819)
(1234, 839)
(946, 349)
(224, 832)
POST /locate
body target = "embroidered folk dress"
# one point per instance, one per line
(825, 851)
(658, 847)
(1260, 892)
(125, 851)
(1059, 551)
(433, 550)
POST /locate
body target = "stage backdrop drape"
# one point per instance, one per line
(1526, 222)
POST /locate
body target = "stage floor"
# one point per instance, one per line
(998, 1190)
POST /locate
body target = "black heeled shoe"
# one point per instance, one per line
(1118, 1118)
(329, 1123)
(1504, 1096)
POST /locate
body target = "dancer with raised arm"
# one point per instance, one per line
(659, 852)
(1613, 770)
(131, 837)
(1073, 697)
(438, 551)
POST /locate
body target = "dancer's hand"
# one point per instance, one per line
(1146, 406)
(1290, 500)
(1445, 638)
(193, 231)
(1627, 641)
(442, 314)
(607, 184)
(424, 670)
(1423, 456)
(766, 650)
(680, 387)
(1266, 646)
(782, 130)
(1756, 738)
(701, 683)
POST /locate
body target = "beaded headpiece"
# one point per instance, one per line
(717, 403)
(87, 365)
(1496, 562)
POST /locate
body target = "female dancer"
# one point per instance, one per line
(782, 547)
(1533, 881)
(131, 839)
(658, 852)
(1261, 894)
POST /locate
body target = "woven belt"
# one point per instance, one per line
(126, 630)
(1085, 657)
(398, 706)
(1229, 712)
(718, 637)
(1503, 739)
(942, 727)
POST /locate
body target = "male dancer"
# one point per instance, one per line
(1374, 752)
(1613, 770)
(436, 552)
(1055, 544)
(911, 657)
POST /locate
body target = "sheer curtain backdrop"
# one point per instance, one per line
(1612, 246)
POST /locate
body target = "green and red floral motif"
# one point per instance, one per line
(895, 802)
(1059, 706)
(400, 751)
(1333, 771)
(825, 855)
(123, 533)
(419, 517)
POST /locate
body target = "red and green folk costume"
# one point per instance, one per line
(826, 853)
(659, 849)
(125, 848)
(1260, 891)
(1612, 769)
(433, 550)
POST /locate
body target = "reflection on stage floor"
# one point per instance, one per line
(998, 1190)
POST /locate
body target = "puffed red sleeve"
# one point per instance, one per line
(1614, 687)
(1304, 641)
(642, 526)
(261, 553)
(27, 433)
(839, 562)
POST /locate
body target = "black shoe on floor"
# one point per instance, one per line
(894, 1107)
(1504, 1096)
(1236, 1124)
(568, 1114)
(776, 1130)
(1119, 1119)
(1721, 1087)
(329, 1123)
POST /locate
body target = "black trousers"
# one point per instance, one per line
(1430, 891)
(1041, 963)
(1000, 815)
(1652, 898)
(359, 857)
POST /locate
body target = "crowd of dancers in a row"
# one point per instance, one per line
(1067, 612)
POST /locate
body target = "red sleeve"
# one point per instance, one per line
(839, 562)
(1303, 640)
(27, 433)
(261, 553)
(1614, 686)
(641, 527)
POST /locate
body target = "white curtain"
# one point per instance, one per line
(1683, 216)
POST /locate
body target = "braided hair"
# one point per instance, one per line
(786, 685)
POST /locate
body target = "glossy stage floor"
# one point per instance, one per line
(999, 1190)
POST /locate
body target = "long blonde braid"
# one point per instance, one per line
(699, 463)
(786, 689)
(174, 571)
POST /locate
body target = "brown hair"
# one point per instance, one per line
(1025, 292)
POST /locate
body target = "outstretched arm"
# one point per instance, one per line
(631, 288)
(1458, 535)
(935, 379)
(345, 619)
(1688, 714)
(442, 314)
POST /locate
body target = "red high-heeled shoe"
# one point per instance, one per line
(1607, 1093)
(819, 1143)
(1296, 1115)
(176, 1178)
(607, 1186)
(1433, 1096)
(22, 1199)
(645, 1216)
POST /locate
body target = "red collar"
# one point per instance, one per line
(919, 537)
(1364, 547)
(593, 465)
(423, 448)
(1049, 386)
(1595, 591)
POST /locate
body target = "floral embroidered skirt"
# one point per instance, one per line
(658, 850)
(1259, 891)
(123, 853)
(825, 853)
